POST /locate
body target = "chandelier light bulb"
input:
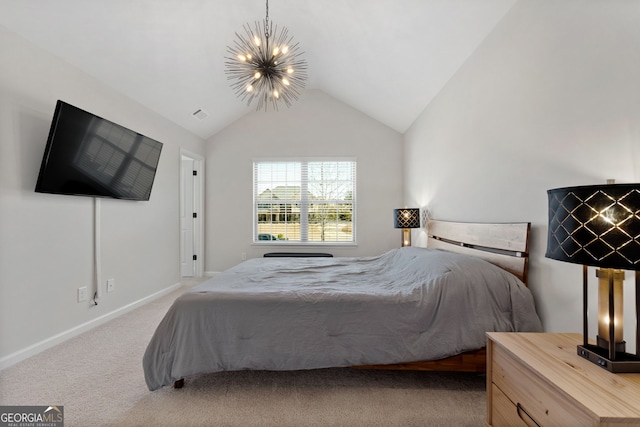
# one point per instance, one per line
(257, 75)
(285, 49)
(276, 94)
(289, 70)
(257, 41)
(250, 88)
(285, 81)
(242, 58)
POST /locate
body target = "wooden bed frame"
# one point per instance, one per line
(505, 245)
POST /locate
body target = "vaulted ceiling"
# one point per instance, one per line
(386, 58)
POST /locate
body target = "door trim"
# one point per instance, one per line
(198, 195)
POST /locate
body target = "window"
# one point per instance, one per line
(306, 201)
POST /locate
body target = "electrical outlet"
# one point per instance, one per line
(243, 256)
(111, 285)
(82, 294)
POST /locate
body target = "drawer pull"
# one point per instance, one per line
(521, 410)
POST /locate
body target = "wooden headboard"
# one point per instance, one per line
(504, 244)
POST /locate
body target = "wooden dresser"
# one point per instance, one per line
(539, 379)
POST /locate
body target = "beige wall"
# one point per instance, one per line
(316, 126)
(46, 241)
(550, 99)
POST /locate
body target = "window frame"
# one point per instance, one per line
(304, 204)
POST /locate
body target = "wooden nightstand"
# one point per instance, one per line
(538, 378)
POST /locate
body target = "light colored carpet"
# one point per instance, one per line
(98, 378)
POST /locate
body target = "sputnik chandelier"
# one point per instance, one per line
(265, 65)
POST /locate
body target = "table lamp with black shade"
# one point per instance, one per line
(599, 226)
(406, 219)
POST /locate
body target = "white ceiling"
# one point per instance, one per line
(386, 58)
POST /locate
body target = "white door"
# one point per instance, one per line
(187, 220)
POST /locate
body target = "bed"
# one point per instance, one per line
(408, 308)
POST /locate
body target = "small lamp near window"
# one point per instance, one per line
(406, 219)
(599, 225)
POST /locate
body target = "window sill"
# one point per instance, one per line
(283, 243)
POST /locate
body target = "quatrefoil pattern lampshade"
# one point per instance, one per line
(406, 218)
(597, 225)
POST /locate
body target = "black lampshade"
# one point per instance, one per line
(596, 225)
(406, 218)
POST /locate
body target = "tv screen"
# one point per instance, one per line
(87, 155)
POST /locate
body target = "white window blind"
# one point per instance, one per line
(307, 201)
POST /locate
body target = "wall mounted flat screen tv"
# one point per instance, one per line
(87, 155)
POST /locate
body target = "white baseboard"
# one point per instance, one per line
(34, 349)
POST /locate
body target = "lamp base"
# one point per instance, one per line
(620, 347)
(625, 363)
(406, 237)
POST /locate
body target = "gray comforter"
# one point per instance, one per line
(405, 305)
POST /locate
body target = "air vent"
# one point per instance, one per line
(200, 114)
